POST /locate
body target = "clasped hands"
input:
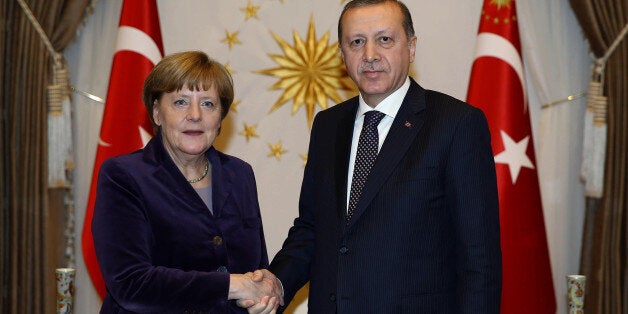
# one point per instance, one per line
(260, 292)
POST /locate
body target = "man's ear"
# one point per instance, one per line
(412, 47)
(342, 55)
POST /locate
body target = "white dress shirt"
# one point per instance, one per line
(389, 106)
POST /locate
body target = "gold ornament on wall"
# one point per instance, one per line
(310, 72)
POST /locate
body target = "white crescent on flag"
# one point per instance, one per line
(144, 135)
(133, 39)
(103, 143)
(493, 45)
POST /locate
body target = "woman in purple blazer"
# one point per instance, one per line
(177, 225)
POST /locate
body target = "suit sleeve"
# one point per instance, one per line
(472, 193)
(292, 263)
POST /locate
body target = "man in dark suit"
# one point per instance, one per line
(422, 234)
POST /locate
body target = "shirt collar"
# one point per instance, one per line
(390, 105)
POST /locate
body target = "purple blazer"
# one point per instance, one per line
(159, 247)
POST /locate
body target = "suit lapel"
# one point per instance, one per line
(403, 131)
(343, 149)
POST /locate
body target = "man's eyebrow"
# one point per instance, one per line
(384, 32)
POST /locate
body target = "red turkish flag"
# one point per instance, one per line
(125, 125)
(497, 86)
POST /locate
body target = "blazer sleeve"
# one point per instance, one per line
(472, 194)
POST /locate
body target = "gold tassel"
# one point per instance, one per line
(594, 145)
(59, 125)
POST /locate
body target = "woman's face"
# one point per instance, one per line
(189, 120)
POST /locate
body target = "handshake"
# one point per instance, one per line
(260, 292)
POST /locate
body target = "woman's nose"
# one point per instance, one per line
(194, 112)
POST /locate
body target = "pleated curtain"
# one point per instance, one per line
(32, 214)
(605, 235)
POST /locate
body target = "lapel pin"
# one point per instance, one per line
(408, 125)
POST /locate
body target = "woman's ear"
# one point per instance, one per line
(156, 113)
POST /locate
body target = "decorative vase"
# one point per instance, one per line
(575, 293)
(65, 290)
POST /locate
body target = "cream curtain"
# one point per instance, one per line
(557, 67)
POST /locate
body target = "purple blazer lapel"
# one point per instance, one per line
(222, 181)
(156, 154)
(165, 169)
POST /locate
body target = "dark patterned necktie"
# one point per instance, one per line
(364, 158)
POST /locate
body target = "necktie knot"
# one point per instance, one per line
(372, 118)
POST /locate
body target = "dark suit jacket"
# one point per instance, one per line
(159, 247)
(425, 235)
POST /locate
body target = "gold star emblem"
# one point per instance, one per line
(234, 106)
(276, 150)
(304, 157)
(250, 11)
(249, 131)
(309, 72)
(229, 69)
(231, 38)
(501, 3)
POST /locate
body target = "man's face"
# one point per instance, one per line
(375, 49)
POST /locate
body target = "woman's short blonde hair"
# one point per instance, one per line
(193, 69)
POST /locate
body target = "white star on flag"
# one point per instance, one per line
(514, 155)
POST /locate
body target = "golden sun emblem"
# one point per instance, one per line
(304, 157)
(309, 72)
(501, 3)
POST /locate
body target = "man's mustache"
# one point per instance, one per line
(370, 66)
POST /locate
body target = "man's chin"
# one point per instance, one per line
(370, 89)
